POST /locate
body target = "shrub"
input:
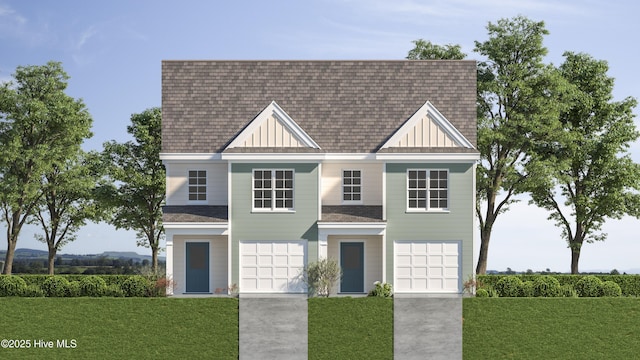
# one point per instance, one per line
(527, 289)
(92, 285)
(567, 290)
(322, 276)
(611, 289)
(162, 284)
(114, 290)
(492, 292)
(73, 289)
(55, 286)
(11, 285)
(589, 286)
(32, 291)
(381, 290)
(482, 293)
(509, 286)
(136, 286)
(546, 286)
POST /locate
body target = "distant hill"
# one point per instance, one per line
(32, 254)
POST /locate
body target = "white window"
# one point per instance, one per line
(273, 189)
(352, 186)
(427, 189)
(197, 185)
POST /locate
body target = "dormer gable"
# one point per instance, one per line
(427, 128)
(273, 128)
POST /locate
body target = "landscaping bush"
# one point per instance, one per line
(482, 293)
(92, 285)
(589, 286)
(33, 291)
(11, 285)
(322, 276)
(629, 284)
(527, 289)
(492, 292)
(381, 290)
(73, 289)
(509, 286)
(546, 286)
(567, 290)
(56, 286)
(136, 286)
(114, 290)
(611, 289)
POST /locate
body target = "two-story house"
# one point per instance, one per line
(272, 165)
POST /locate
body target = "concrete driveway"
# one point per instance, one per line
(427, 327)
(273, 327)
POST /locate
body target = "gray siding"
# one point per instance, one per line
(248, 225)
(456, 224)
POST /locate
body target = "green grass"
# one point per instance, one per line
(122, 328)
(551, 328)
(350, 328)
(339, 328)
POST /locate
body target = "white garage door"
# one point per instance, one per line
(272, 266)
(427, 266)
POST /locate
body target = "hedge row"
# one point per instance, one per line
(629, 284)
(82, 285)
(546, 286)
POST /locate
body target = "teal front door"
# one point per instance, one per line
(197, 267)
(352, 264)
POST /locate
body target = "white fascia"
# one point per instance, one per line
(351, 228)
(171, 157)
(430, 157)
(271, 157)
(198, 228)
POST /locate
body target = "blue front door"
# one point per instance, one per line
(197, 267)
(352, 264)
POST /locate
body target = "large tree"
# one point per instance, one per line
(138, 180)
(517, 105)
(68, 200)
(426, 50)
(591, 176)
(39, 126)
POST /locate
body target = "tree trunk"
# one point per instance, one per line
(575, 256)
(52, 256)
(485, 236)
(154, 259)
(8, 262)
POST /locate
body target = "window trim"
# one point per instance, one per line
(273, 191)
(428, 207)
(351, 202)
(206, 187)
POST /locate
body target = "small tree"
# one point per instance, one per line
(321, 276)
(425, 50)
(138, 175)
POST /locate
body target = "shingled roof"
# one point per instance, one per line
(345, 106)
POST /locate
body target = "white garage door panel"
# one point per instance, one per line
(427, 266)
(272, 266)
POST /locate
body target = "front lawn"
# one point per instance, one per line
(120, 328)
(350, 328)
(551, 328)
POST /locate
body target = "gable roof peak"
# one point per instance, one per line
(427, 128)
(273, 128)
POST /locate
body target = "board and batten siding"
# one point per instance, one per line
(178, 187)
(218, 259)
(455, 224)
(299, 224)
(371, 182)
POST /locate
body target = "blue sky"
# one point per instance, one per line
(113, 51)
